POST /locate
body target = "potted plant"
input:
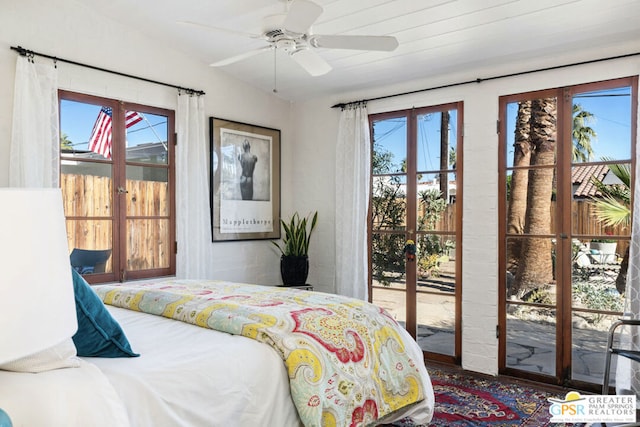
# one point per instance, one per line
(294, 260)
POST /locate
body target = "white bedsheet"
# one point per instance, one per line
(191, 376)
(185, 376)
(70, 397)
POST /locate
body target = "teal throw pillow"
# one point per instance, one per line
(99, 334)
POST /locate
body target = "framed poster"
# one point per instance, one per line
(245, 181)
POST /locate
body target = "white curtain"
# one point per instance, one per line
(35, 136)
(353, 171)
(628, 372)
(193, 225)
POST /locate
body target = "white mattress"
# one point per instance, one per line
(191, 376)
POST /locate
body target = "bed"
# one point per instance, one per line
(215, 353)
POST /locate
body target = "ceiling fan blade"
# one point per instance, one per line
(313, 63)
(382, 43)
(240, 57)
(302, 14)
(220, 29)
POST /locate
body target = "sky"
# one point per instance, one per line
(391, 134)
(77, 120)
(611, 111)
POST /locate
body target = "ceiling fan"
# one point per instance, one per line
(291, 33)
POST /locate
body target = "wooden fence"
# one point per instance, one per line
(584, 221)
(148, 246)
(147, 207)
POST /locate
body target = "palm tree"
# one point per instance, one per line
(582, 134)
(452, 157)
(519, 180)
(65, 142)
(535, 269)
(613, 208)
(531, 191)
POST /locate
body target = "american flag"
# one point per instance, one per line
(100, 141)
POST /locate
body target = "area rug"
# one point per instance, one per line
(468, 400)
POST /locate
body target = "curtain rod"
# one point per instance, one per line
(479, 80)
(26, 52)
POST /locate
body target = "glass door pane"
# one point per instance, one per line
(436, 216)
(531, 308)
(531, 235)
(436, 294)
(86, 180)
(601, 187)
(147, 192)
(389, 216)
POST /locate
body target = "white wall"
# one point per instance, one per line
(313, 172)
(67, 29)
(480, 180)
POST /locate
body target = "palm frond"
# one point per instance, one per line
(611, 211)
(613, 207)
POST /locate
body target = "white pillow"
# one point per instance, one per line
(59, 356)
(62, 397)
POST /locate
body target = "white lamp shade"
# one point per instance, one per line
(37, 305)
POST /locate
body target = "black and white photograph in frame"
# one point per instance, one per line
(245, 181)
(246, 166)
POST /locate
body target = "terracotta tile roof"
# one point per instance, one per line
(581, 179)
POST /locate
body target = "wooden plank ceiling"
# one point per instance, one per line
(439, 40)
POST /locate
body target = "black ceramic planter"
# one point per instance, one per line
(294, 269)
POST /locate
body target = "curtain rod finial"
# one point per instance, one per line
(22, 51)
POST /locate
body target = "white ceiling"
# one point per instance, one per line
(436, 37)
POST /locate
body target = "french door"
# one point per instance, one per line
(566, 158)
(415, 223)
(118, 180)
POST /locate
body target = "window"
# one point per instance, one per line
(117, 179)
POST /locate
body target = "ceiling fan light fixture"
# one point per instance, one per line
(286, 45)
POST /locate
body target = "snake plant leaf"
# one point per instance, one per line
(297, 235)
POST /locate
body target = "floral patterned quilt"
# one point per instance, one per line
(346, 361)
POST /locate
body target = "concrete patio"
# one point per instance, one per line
(531, 344)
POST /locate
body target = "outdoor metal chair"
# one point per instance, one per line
(87, 261)
(588, 265)
(618, 350)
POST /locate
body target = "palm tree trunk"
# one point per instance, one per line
(621, 279)
(519, 180)
(536, 269)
